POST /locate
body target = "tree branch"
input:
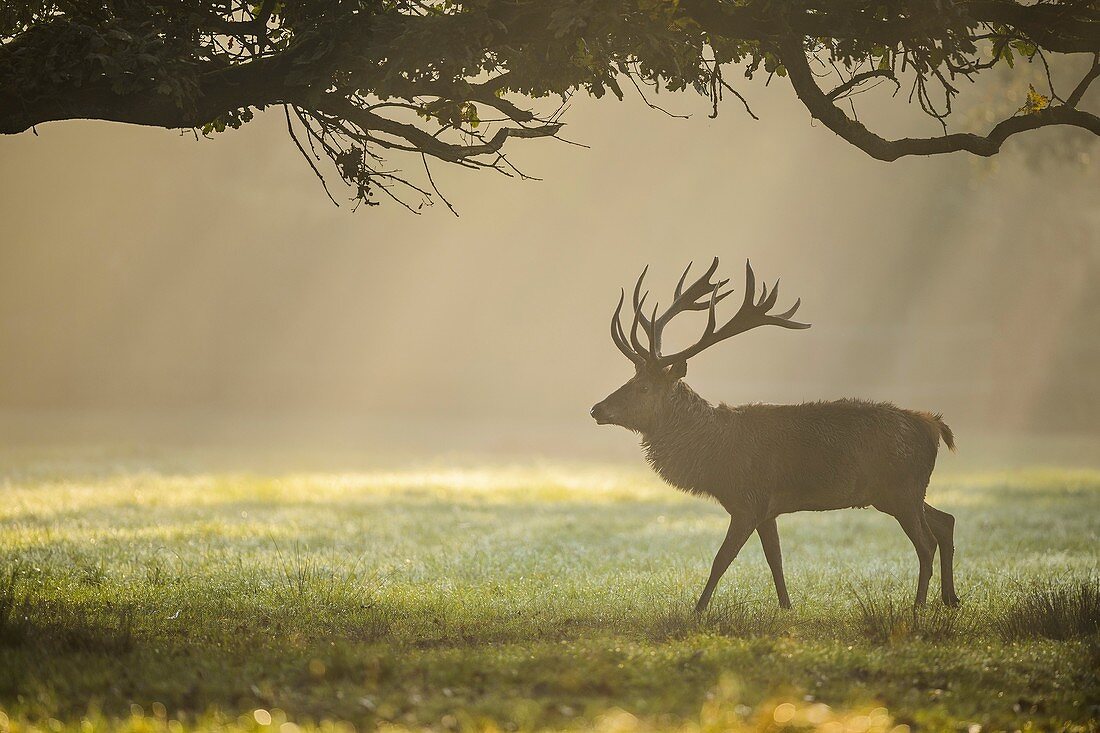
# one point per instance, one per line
(821, 107)
(859, 79)
(420, 140)
(1083, 86)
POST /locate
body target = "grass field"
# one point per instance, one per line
(535, 597)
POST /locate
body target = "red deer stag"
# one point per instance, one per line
(760, 461)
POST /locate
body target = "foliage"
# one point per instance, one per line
(522, 598)
(361, 78)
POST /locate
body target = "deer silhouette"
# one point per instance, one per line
(760, 461)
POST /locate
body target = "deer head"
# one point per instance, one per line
(639, 404)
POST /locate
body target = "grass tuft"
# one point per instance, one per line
(735, 619)
(1061, 612)
(883, 617)
(747, 619)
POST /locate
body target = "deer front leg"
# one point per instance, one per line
(736, 535)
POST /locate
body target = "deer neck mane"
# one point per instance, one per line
(685, 442)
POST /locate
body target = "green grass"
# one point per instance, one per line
(526, 598)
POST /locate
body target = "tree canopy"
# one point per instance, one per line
(363, 81)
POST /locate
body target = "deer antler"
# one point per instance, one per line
(750, 315)
(702, 294)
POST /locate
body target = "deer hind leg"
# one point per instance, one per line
(736, 535)
(943, 527)
(920, 534)
(769, 540)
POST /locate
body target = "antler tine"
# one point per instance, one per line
(617, 334)
(639, 317)
(680, 284)
(711, 317)
(750, 286)
(638, 314)
(793, 309)
(710, 270)
(650, 329)
(638, 287)
(767, 302)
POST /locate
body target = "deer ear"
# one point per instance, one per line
(678, 370)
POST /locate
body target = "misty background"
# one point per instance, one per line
(159, 290)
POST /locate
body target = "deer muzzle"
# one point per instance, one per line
(601, 414)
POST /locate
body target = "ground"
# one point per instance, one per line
(157, 597)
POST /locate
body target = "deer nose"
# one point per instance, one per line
(598, 413)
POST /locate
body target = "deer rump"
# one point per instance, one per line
(815, 456)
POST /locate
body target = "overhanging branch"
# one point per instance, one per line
(367, 78)
(821, 107)
(1075, 96)
(418, 139)
(858, 79)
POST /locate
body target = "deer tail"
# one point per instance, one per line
(941, 429)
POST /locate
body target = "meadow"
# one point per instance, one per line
(529, 597)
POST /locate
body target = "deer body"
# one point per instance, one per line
(760, 461)
(778, 459)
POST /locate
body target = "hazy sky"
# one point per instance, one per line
(142, 272)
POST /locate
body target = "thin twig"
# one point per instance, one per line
(321, 178)
(435, 188)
